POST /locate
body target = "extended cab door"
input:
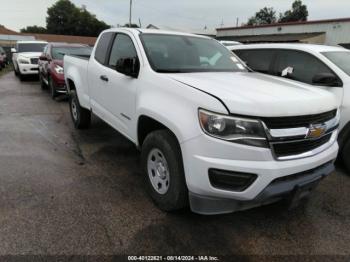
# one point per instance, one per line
(303, 67)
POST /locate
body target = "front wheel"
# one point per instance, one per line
(346, 155)
(52, 88)
(164, 173)
(42, 83)
(81, 117)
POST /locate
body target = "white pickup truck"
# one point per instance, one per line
(212, 134)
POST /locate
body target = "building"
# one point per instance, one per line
(8, 39)
(329, 32)
(71, 39)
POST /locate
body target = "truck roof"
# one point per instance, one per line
(31, 42)
(152, 31)
(294, 46)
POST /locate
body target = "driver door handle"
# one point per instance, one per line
(104, 78)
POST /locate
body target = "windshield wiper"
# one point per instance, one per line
(169, 71)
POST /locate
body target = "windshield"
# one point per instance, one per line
(59, 52)
(23, 48)
(340, 59)
(185, 54)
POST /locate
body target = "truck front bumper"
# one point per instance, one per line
(204, 153)
(293, 187)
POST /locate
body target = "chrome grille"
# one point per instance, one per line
(299, 147)
(34, 61)
(298, 121)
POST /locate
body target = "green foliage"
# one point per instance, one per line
(267, 15)
(263, 17)
(66, 19)
(34, 29)
(298, 12)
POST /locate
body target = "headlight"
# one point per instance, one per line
(234, 129)
(59, 69)
(23, 61)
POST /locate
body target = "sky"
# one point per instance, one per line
(177, 14)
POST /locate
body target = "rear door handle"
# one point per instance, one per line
(104, 78)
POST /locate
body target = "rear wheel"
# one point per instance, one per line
(164, 173)
(346, 155)
(81, 117)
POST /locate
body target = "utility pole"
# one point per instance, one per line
(130, 14)
(222, 23)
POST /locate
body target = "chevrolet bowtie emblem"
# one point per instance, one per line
(316, 131)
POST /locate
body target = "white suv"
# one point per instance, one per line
(25, 57)
(326, 67)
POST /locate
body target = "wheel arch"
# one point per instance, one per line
(147, 124)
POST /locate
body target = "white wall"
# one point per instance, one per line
(336, 32)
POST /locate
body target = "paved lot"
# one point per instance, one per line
(64, 191)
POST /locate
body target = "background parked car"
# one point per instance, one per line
(230, 43)
(3, 58)
(51, 71)
(25, 57)
(327, 67)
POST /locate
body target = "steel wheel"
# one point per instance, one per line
(158, 171)
(74, 110)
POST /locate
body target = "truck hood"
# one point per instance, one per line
(30, 54)
(254, 94)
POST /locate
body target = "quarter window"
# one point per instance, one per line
(123, 47)
(102, 47)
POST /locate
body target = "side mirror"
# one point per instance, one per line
(326, 79)
(13, 50)
(43, 58)
(128, 66)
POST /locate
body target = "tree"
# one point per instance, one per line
(298, 12)
(67, 19)
(132, 25)
(34, 29)
(263, 17)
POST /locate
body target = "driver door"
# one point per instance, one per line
(120, 90)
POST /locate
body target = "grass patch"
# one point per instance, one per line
(6, 70)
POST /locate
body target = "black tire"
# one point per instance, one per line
(176, 196)
(346, 156)
(52, 88)
(82, 117)
(21, 77)
(42, 83)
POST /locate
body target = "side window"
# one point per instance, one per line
(123, 47)
(258, 60)
(102, 47)
(299, 66)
